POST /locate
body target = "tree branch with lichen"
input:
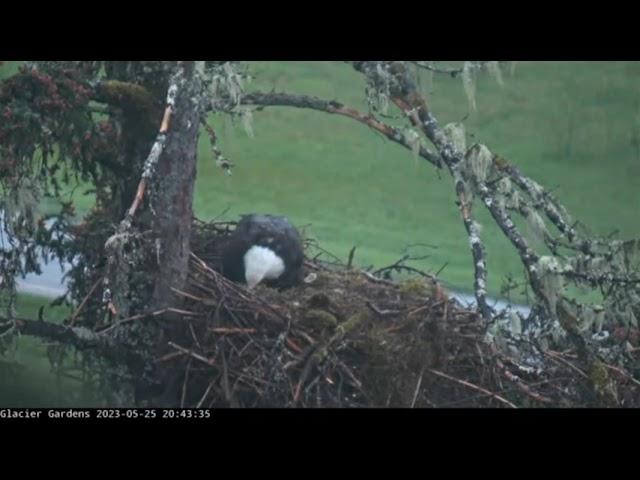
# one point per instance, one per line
(405, 96)
(409, 101)
(337, 108)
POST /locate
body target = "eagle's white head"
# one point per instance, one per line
(261, 263)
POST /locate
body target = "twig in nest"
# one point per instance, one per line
(150, 315)
(622, 372)
(417, 391)
(311, 362)
(188, 295)
(192, 354)
(294, 346)
(225, 331)
(193, 335)
(184, 384)
(524, 388)
(350, 374)
(206, 393)
(169, 356)
(382, 313)
(228, 393)
(475, 387)
(375, 279)
(350, 259)
(554, 356)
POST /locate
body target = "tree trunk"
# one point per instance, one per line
(172, 194)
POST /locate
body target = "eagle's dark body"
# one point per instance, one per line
(270, 231)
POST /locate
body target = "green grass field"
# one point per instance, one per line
(573, 126)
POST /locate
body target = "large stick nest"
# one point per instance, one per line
(346, 338)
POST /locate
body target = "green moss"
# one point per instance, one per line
(415, 287)
(598, 375)
(319, 319)
(132, 98)
(353, 322)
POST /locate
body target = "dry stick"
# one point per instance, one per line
(140, 316)
(417, 391)
(623, 373)
(350, 259)
(206, 393)
(225, 382)
(351, 375)
(475, 387)
(72, 321)
(193, 335)
(192, 354)
(382, 313)
(375, 279)
(294, 346)
(168, 356)
(222, 330)
(481, 395)
(524, 388)
(188, 295)
(184, 384)
(561, 360)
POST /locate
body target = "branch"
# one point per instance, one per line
(156, 150)
(404, 94)
(221, 161)
(333, 107)
(542, 199)
(79, 337)
(477, 251)
(432, 68)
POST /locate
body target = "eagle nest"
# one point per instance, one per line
(347, 338)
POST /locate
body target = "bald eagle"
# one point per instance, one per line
(263, 248)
